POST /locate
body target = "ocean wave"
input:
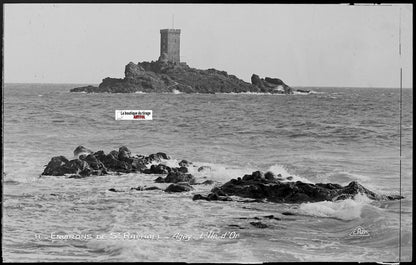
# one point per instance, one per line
(224, 173)
(316, 92)
(348, 209)
(280, 169)
(213, 171)
(175, 91)
(344, 177)
(302, 93)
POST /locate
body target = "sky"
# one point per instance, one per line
(304, 45)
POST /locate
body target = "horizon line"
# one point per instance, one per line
(293, 86)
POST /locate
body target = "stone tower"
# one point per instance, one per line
(170, 45)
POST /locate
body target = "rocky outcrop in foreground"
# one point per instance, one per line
(261, 186)
(166, 77)
(258, 187)
(88, 163)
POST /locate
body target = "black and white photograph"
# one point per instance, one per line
(207, 133)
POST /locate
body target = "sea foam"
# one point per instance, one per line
(348, 209)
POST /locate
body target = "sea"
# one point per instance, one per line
(331, 135)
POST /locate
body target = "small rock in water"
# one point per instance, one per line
(139, 188)
(184, 163)
(157, 169)
(272, 217)
(211, 197)
(163, 155)
(208, 182)
(237, 226)
(114, 190)
(175, 177)
(152, 188)
(179, 187)
(155, 157)
(204, 168)
(159, 180)
(258, 224)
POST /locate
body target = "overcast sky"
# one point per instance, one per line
(304, 45)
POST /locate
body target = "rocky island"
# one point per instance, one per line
(168, 74)
(166, 77)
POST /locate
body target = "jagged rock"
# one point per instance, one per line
(133, 70)
(163, 155)
(125, 149)
(256, 186)
(93, 162)
(183, 169)
(55, 166)
(179, 187)
(156, 157)
(269, 176)
(175, 177)
(159, 180)
(184, 163)
(100, 155)
(59, 166)
(114, 153)
(81, 150)
(110, 162)
(77, 166)
(271, 85)
(138, 164)
(89, 163)
(158, 169)
(275, 81)
(215, 195)
(124, 154)
(255, 80)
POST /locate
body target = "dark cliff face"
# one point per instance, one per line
(162, 77)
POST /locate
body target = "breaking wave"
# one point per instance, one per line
(348, 209)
